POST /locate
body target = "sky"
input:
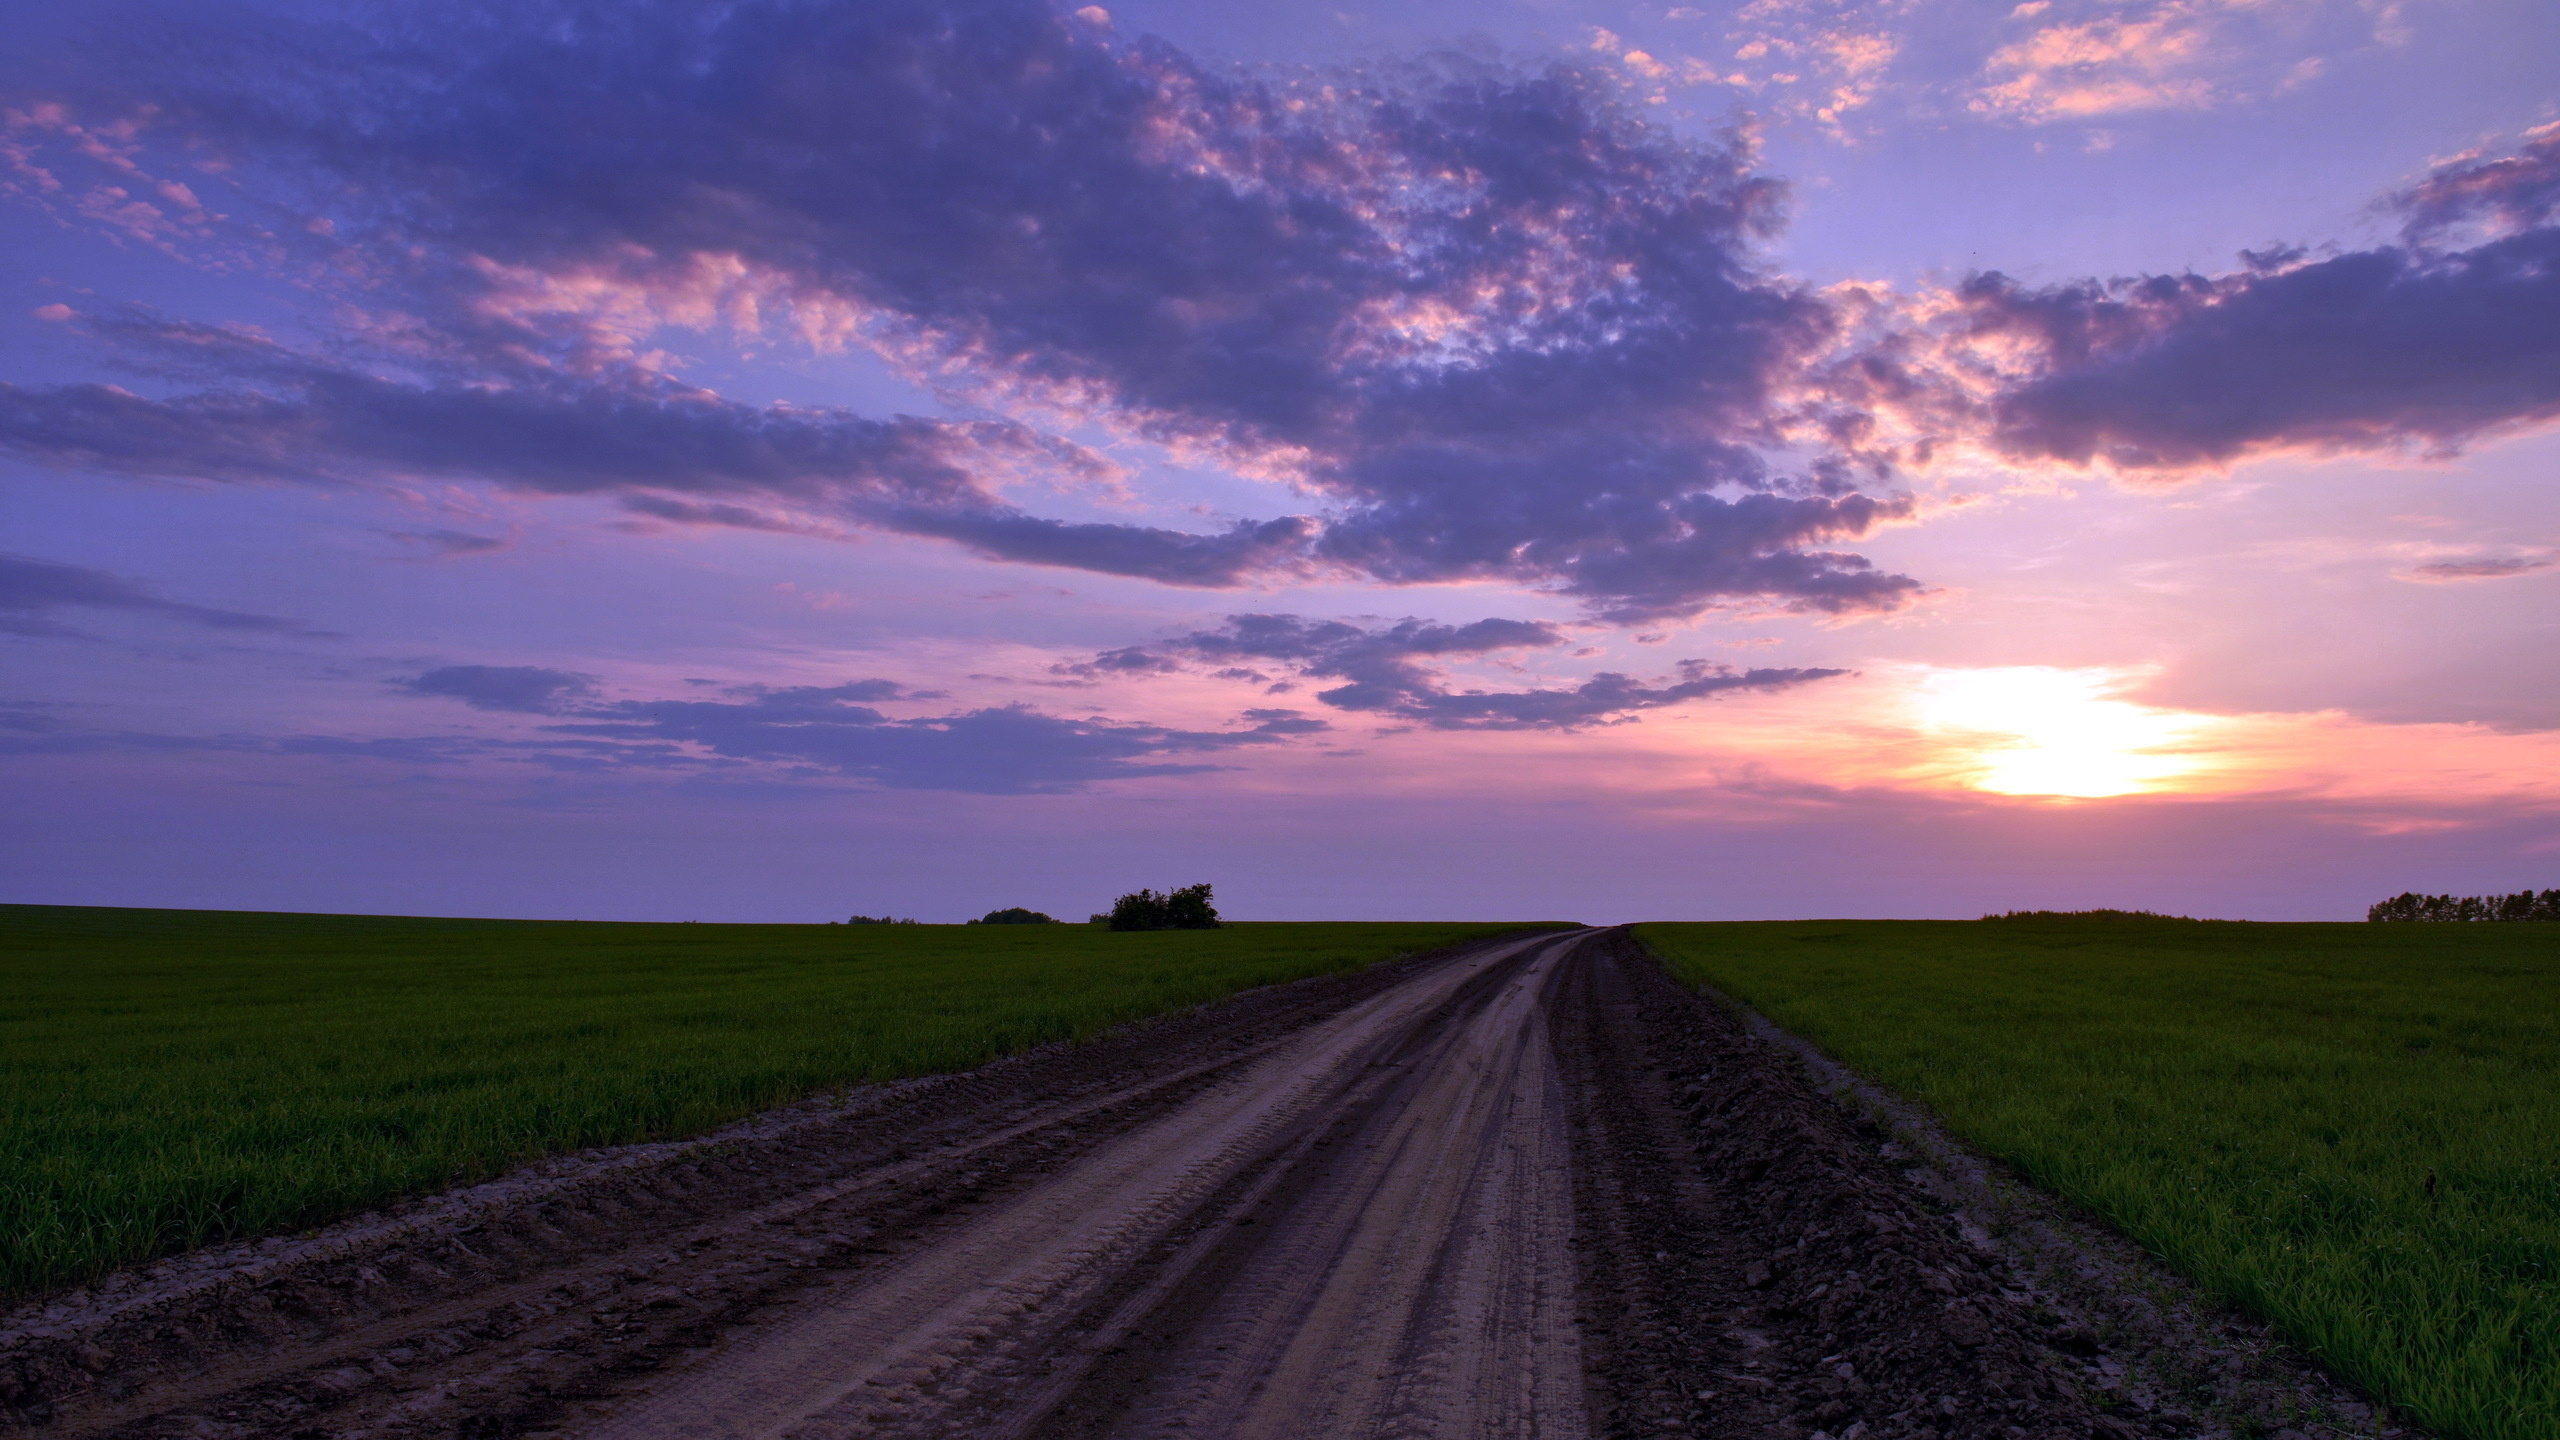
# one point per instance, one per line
(1528, 459)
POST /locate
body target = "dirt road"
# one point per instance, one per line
(1526, 1189)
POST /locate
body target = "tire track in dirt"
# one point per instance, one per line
(1339, 1239)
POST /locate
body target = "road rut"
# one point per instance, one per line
(1365, 1232)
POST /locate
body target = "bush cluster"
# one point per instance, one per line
(877, 920)
(1184, 909)
(2522, 905)
(1014, 915)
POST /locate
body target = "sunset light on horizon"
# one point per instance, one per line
(2038, 731)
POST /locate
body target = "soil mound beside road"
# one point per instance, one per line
(1524, 1188)
(1762, 1260)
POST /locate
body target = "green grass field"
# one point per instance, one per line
(2261, 1105)
(170, 1078)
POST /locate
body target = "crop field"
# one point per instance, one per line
(2350, 1130)
(173, 1078)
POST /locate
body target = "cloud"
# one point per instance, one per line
(1820, 62)
(526, 688)
(796, 732)
(446, 542)
(26, 730)
(835, 730)
(2491, 567)
(2393, 348)
(2509, 193)
(1492, 321)
(1001, 750)
(660, 447)
(1488, 322)
(2421, 347)
(2105, 65)
(31, 590)
(2102, 58)
(1386, 674)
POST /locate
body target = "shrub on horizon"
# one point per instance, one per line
(1184, 909)
(1014, 915)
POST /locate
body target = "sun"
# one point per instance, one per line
(2036, 730)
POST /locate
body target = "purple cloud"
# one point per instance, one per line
(31, 590)
(529, 689)
(2370, 350)
(2508, 193)
(1385, 673)
(661, 448)
(834, 729)
(797, 731)
(2498, 567)
(443, 543)
(2375, 350)
(1001, 750)
(1499, 325)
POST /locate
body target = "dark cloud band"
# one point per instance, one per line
(32, 590)
(678, 455)
(2378, 350)
(838, 730)
(2397, 347)
(1388, 671)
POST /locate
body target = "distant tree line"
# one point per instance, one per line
(2086, 914)
(1188, 908)
(1185, 909)
(2522, 905)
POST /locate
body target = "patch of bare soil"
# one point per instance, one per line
(1777, 1251)
(1526, 1188)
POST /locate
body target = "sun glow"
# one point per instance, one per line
(2033, 730)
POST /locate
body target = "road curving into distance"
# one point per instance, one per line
(1525, 1188)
